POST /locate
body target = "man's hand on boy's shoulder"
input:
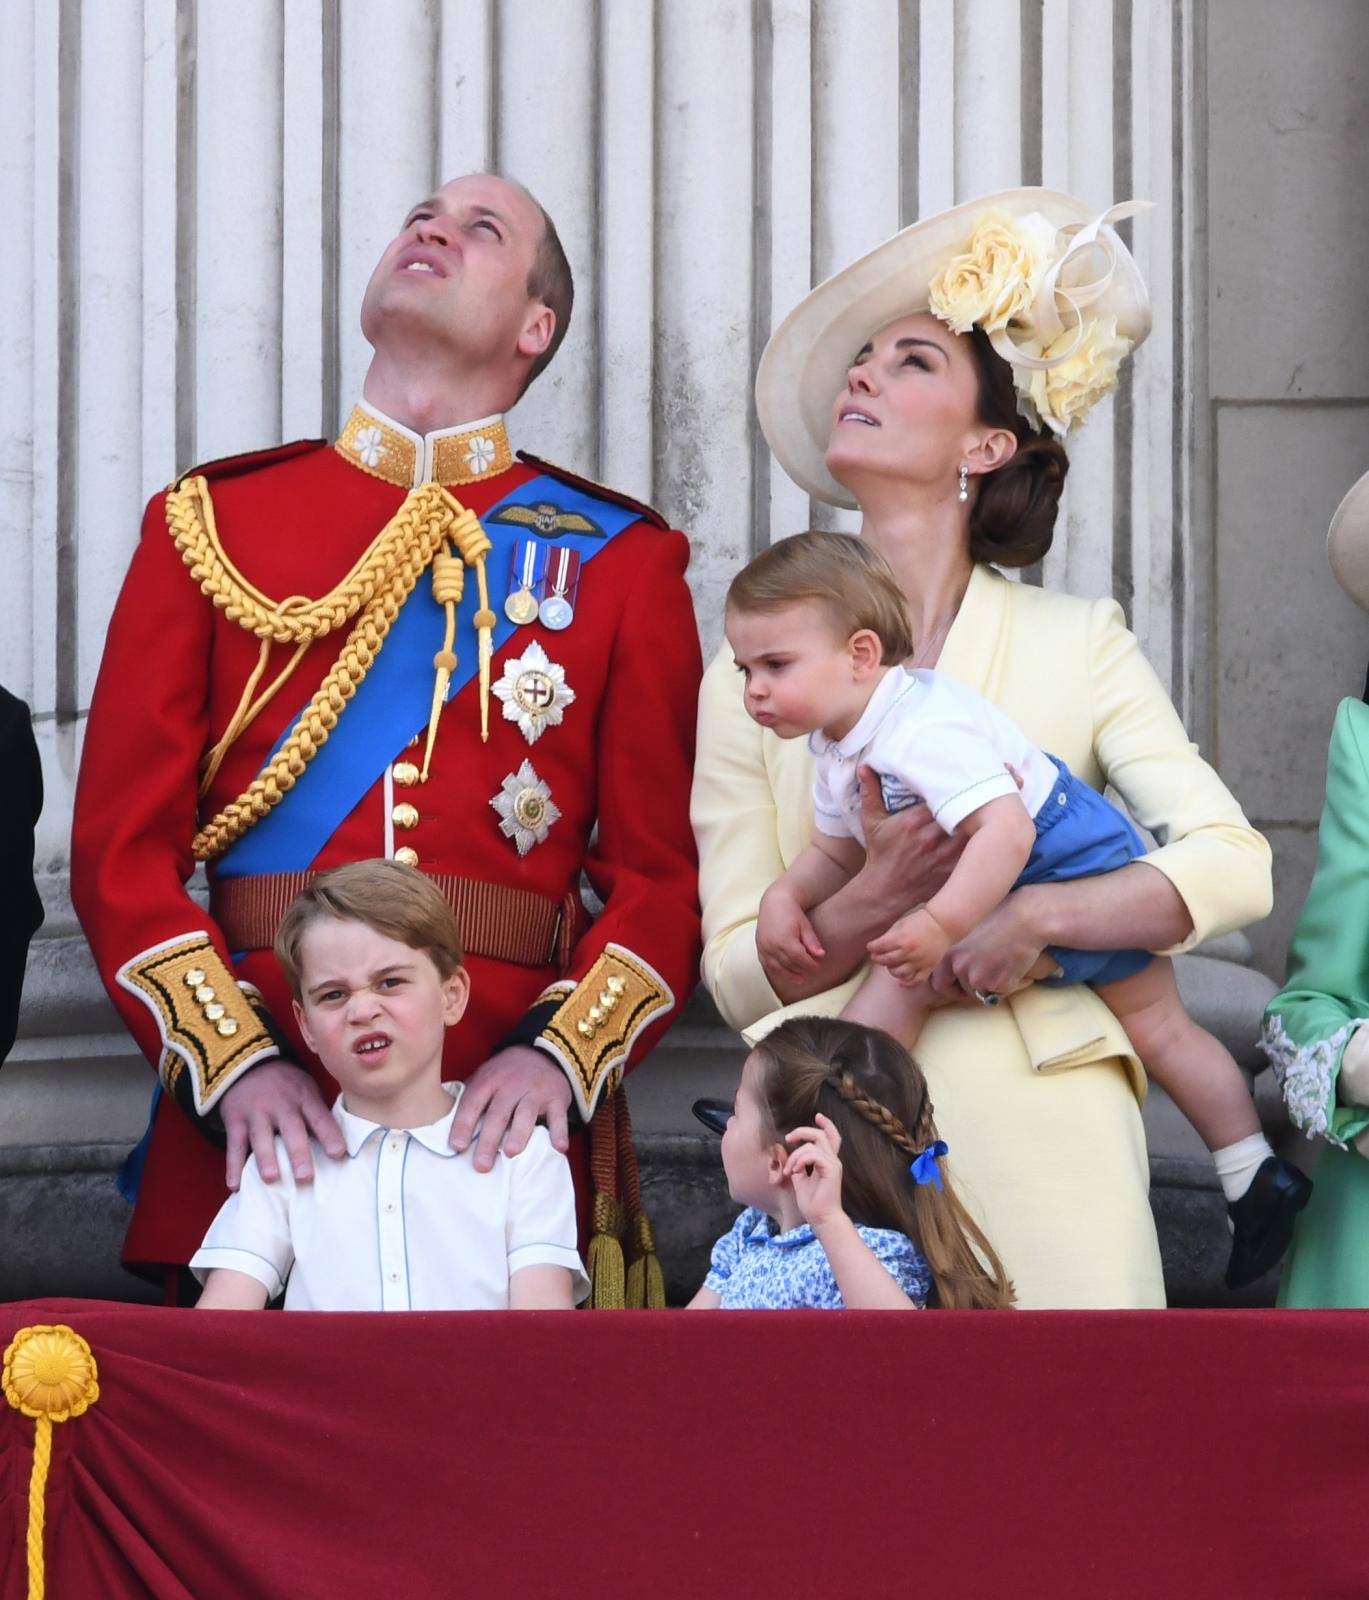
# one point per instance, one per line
(277, 1098)
(508, 1095)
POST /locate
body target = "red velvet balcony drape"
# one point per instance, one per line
(663, 1454)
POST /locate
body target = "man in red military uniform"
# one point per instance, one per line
(411, 643)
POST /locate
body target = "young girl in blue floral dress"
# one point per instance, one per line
(831, 1147)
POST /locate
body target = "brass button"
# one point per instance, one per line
(608, 1000)
(406, 856)
(204, 994)
(584, 1029)
(227, 1028)
(596, 1013)
(404, 815)
(194, 978)
(214, 1011)
(405, 773)
(616, 986)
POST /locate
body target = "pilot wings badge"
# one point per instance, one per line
(546, 520)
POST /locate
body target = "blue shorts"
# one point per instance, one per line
(1079, 835)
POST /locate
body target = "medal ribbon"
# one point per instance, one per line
(529, 559)
(566, 571)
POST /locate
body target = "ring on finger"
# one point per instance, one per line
(987, 997)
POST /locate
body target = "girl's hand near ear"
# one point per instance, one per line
(814, 1170)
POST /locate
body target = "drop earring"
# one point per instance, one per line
(964, 482)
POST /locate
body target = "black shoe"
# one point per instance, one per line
(713, 1114)
(1262, 1220)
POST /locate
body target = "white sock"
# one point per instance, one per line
(1238, 1163)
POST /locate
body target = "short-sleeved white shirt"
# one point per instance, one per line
(401, 1223)
(929, 738)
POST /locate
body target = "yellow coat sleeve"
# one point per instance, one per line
(1219, 864)
(734, 811)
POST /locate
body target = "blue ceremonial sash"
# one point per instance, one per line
(395, 698)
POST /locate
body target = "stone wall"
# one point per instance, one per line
(1287, 429)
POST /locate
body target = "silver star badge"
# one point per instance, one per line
(525, 808)
(535, 692)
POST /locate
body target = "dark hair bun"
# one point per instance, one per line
(1012, 522)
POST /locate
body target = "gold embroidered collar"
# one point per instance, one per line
(387, 449)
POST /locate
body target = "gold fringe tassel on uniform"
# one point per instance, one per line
(619, 1279)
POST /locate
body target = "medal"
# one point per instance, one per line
(525, 808)
(558, 610)
(535, 692)
(528, 563)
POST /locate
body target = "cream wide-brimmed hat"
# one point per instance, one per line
(1047, 278)
(1347, 543)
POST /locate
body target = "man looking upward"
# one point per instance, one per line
(409, 643)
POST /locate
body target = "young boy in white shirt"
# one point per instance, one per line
(402, 1222)
(819, 629)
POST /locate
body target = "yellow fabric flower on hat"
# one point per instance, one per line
(995, 280)
(1062, 393)
(49, 1371)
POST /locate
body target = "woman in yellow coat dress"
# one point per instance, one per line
(930, 383)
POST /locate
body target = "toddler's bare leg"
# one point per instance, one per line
(1195, 1070)
(883, 1002)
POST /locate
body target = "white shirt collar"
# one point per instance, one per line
(357, 1130)
(896, 683)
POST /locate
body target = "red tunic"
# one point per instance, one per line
(293, 522)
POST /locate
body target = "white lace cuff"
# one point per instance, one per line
(1307, 1074)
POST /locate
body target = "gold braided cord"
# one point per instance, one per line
(49, 1374)
(245, 715)
(38, 1482)
(296, 620)
(378, 586)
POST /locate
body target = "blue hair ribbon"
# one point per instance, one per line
(924, 1165)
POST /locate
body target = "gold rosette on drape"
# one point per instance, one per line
(50, 1375)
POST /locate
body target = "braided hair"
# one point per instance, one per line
(874, 1092)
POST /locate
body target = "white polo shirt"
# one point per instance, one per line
(929, 738)
(401, 1223)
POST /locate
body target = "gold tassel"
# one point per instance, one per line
(604, 1257)
(474, 544)
(645, 1281)
(449, 584)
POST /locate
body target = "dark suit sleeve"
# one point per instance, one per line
(21, 911)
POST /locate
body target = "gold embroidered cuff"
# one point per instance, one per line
(211, 1030)
(593, 1031)
(556, 991)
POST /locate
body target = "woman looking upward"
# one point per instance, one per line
(931, 384)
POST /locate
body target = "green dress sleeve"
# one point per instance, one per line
(1326, 995)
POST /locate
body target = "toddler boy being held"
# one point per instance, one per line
(402, 1222)
(819, 629)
